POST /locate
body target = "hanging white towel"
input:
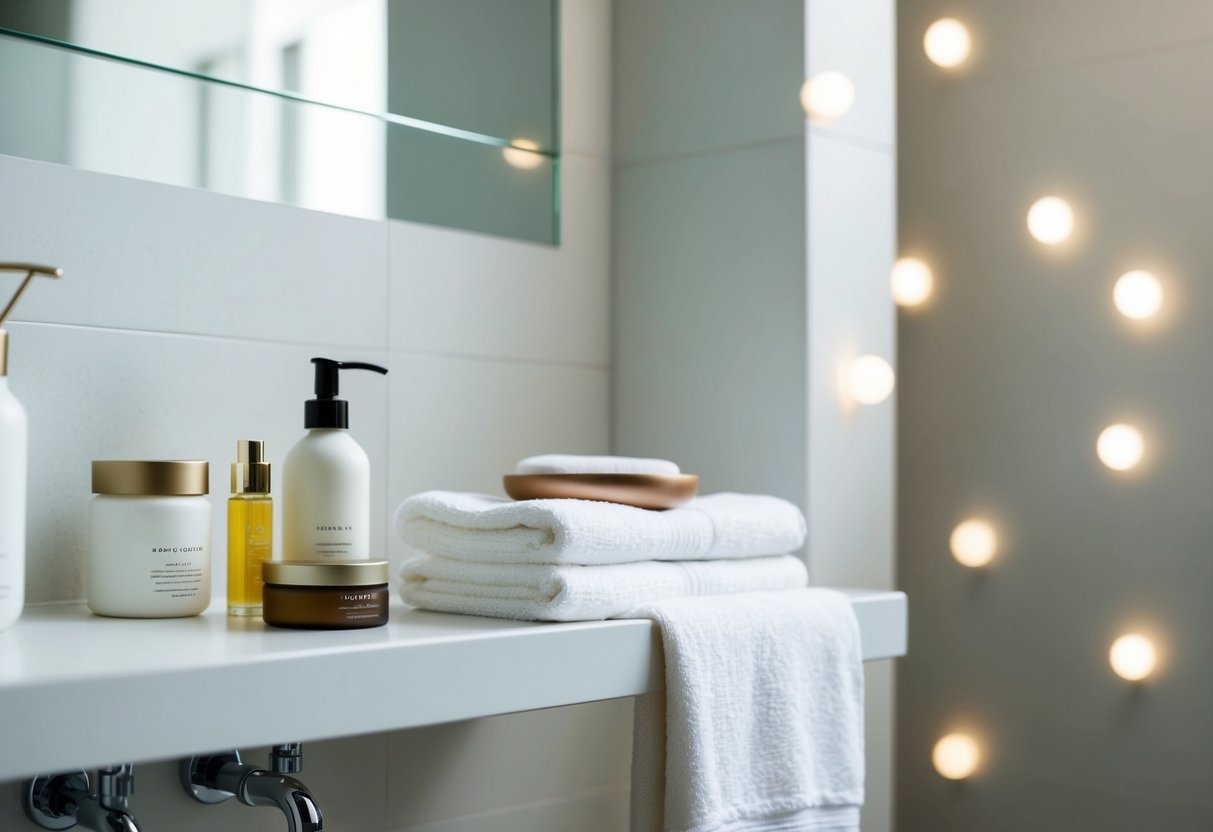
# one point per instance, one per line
(762, 716)
(534, 592)
(477, 527)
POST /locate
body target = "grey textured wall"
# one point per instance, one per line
(1006, 380)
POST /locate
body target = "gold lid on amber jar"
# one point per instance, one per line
(151, 477)
(325, 572)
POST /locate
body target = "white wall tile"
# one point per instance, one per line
(468, 294)
(461, 424)
(602, 810)
(850, 250)
(105, 394)
(541, 759)
(710, 317)
(585, 78)
(139, 255)
(857, 38)
(702, 75)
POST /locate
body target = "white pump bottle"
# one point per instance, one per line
(326, 493)
(14, 450)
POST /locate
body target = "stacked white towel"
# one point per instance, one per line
(763, 729)
(476, 527)
(576, 560)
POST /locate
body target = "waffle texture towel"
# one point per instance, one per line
(762, 716)
(484, 529)
(537, 592)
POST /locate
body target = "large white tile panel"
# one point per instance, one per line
(540, 758)
(699, 75)
(857, 38)
(585, 77)
(710, 317)
(460, 424)
(104, 394)
(850, 249)
(455, 292)
(140, 255)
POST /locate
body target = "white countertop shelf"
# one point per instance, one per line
(77, 691)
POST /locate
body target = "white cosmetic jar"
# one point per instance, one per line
(149, 538)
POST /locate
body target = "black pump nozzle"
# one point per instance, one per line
(326, 410)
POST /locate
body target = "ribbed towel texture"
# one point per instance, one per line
(762, 716)
(476, 527)
(544, 592)
(570, 464)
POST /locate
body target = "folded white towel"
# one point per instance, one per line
(480, 528)
(763, 716)
(535, 592)
(572, 464)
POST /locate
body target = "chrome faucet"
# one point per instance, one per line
(61, 801)
(214, 778)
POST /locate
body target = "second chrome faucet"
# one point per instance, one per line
(214, 778)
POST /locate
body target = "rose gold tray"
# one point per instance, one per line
(640, 490)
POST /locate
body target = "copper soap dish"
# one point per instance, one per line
(640, 490)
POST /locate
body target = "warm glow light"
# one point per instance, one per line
(947, 42)
(956, 756)
(1120, 447)
(521, 155)
(1138, 295)
(827, 96)
(1050, 220)
(1133, 657)
(870, 379)
(912, 282)
(974, 543)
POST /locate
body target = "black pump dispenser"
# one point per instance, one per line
(326, 410)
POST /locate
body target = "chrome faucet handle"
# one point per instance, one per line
(115, 785)
(42, 798)
(61, 801)
(200, 769)
(287, 758)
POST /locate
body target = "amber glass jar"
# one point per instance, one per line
(326, 595)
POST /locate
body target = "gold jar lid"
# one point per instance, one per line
(151, 477)
(325, 572)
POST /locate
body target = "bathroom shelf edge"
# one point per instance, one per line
(78, 691)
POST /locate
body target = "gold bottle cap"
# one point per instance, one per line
(151, 477)
(3, 353)
(250, 471)
(325, 572)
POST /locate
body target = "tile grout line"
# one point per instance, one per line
(623, 164)
(450, 354)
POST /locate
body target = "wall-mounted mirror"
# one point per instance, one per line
(437, 111)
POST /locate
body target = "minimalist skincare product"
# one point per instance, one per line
(326, 595)
(149, 539)
(326, 497)
(14, 441)
(250, 527)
